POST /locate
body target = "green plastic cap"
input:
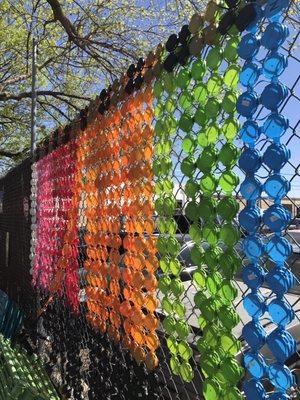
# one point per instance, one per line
(228, 155)
(228, 208)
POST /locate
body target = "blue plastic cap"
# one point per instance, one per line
(274, 8)
(254, 305)
(249, 74)
(276, 156)
(248, 46)
(255, 364)
(254, 334)
(250, 132)
(279, 249)
(274, 65)
(250, 160)
(250, 218)
(281, 377)
(280, 280)
(281, 312)
(273, 95)
(274, 35)
(253, 247)
(277, 217)
(253, 276)
(251, 188)
(277, 186)
(247, 104)
(254, 390)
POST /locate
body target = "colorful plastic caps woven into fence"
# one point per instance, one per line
(276, 217)
(21, 376)
(56, 247)
(116, 152)
(195, 110)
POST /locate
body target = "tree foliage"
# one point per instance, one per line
(82, 46)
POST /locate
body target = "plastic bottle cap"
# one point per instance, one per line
(276, 156)
(254, 334)
(250, 160)
(212, 107)
(177, 287)
(253, 276)
(230, 344)
(211, 389)
(229, 234)
(228, 317)
(185, 351)
(192, 211)
(169, 324)
(274, 8)
(175, 364)
(214, 58)
(191, 188)
(249, 46)
(280, 279)
(227, 208)
(247, 104)
(230, 128)
(281, 312)
(273, 96)
(186, 122)
(254, 305)
(207, 159)
(200, 93)
(250, 132)
(197, 254)
(282, 344)
(198, 69)
(188, 166)
(249, 74)
(199, 277)
(281, 376)
(228, 181)
(253, 246)
(251, 188)
(214, 84)
(185, 100)
(182, 329)
(275, 126)
(229, 102)
(228, 155)
(172, 345)
(274, 65)
(231, 76)
(183, 78)
(210, 233)
(254, 390)
(279, 249)
(277, 186)
(250, 218)
(186, 372)
(255, 364)
(207, 208)
(277, 217)
(274, 35)
(208, 184)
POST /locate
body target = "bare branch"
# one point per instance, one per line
(8, 96)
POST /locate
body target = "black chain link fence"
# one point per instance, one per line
(83, 363)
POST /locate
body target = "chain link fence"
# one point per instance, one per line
(94, 343)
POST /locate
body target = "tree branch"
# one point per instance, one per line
(4, 96)
(8, 154)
